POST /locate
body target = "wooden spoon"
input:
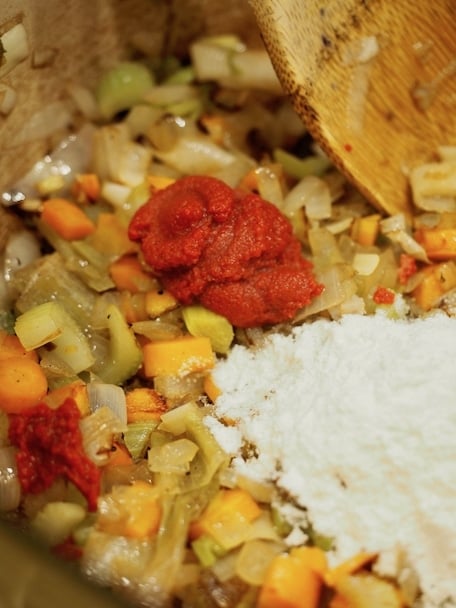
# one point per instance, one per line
(374, 81)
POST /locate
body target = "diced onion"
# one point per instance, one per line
(14, 43)
(98, 431)
(8, 98)
(365, 263)
(312, 193)
(434, 186)
(22, 248)
(101, 394)
(254, 558)
(10, 488)
(84, 100)
(196, 155)
(70, 157)
(51, 118)
(173, 457)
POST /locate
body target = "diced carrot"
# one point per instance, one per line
(437, 280)
(159, 301)
(136, 512)
(210, 388)
(145, 404)
(128, 274)
(10, 346)
(76, 390)
(86, 187)
(67, 219)
(133, 306)
(111, 236)
(227, 506)
(178, 357)
(365, 229)
(439, 243)
(23, 384)
(158, 182)
(383, 295)
(119, 456)
(292, 581)
(407, 268)
(350, 566)
(339, 601)
(216, 126)
(249, 181)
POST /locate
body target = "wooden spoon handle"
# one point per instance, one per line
(355, 69)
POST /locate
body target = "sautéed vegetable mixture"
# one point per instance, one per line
(195, 213)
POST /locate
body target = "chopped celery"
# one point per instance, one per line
(210, 456)
(300, 167)
(137, 437)
(184, 75)
(282, 526)
(203, 322)
(326, 543)
(125, 356)
(49, 322)
(81, 258)
(173, 457)
(207, 550)
(48, 279)
(121, 87)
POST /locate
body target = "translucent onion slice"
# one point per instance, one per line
(314, 194)
(102, 394)
(254, 558)
(173, 457)
(98, 433)
(21, 249)
(10, 488)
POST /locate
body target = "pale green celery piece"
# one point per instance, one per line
(282, 526)
(95, 273)
(137, 437)
(50, 322)
(48, 279)
(139, 195)
(207, 550)
(184, 75)
(210, 457)
(81, 258)
(300, 167)
(325, 543)
(122, 87)
(227, 41)
(159, 438)
(203, 322)
(190, 108)
(125, 355)
(166, 560)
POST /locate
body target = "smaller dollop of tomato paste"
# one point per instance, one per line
(49, 443)
(232, 252)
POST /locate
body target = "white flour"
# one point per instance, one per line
(357, 420)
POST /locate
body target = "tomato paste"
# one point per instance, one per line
(232, 252)
(49, 443)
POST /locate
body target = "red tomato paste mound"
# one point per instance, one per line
(232, 252)
(50, 445)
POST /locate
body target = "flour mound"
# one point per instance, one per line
(357, 420)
